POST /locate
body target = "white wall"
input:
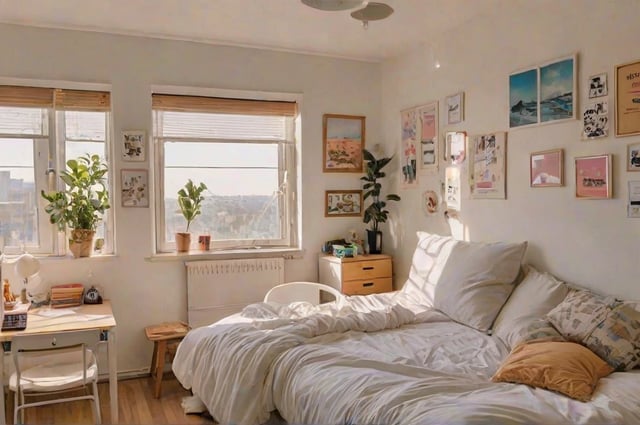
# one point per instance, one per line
(591, 243)
(143, 292)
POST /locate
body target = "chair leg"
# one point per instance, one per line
(96, 404)
(160, 358)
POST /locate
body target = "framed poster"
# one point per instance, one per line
(628, 99)
(133, 145)
(633, 208)
(546, 168)
(487, 165)
(593, 177)
(598, 85)
(595, 120)
(135, 188)
(633, 157)
(557, 90)
(343, 138)
(523, 98)
(343, 203)
(452, 187)
(409, 140)
(428, 127)
(455, 108)
(455, 146)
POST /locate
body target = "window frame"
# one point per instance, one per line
(288, 173)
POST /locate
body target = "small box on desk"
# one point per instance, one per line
(16, 318)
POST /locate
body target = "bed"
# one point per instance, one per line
(473, 337)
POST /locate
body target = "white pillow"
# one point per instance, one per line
(532, 299)
(468, 281)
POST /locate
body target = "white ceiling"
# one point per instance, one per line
(273, 24)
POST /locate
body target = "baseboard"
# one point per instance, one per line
(126, 374)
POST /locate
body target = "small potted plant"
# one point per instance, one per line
(190, 201)
(375, 213)
(80, 206)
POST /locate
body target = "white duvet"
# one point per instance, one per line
(373, 363)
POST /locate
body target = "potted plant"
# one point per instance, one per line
(190, 201)
(375, 213)
(80, 206)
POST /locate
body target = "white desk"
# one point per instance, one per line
(87, 316)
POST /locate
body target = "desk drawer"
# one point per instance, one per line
(365, 269)
(367, 286)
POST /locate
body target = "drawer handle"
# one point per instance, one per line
(367, 284)
(368, 268)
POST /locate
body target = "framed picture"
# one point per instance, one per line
(455, 108)
(487, 165)
(428, 128)
(409, 141)
(543, 94)
(633, 157)
(452, 183)
(523, 98)
(343, 203)
(546, 168)
(343, 139)
(430, 202)
(593, 177)
(135, 188)
(633, 209)
(598, 85)
(627, 99)
(557, 90)
(455, 146)
(133, 145)
(595, 120)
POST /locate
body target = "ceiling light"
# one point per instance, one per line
(372, 12)
(333, 5)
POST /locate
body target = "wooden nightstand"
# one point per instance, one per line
(361, 275)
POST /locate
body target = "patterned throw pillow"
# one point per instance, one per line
(579, 314)
(539, 330)
(617, 338)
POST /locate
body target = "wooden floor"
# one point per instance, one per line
(136, 405)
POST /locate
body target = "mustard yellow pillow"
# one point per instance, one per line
(566, 367)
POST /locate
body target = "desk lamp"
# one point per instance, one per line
(27, 266)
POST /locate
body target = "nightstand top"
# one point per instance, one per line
(369, 257)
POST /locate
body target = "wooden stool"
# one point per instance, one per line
(162, 335)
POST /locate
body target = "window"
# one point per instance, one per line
(40, 128)
(243, 150)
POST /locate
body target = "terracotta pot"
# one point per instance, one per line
(183, 241)
(81, 242)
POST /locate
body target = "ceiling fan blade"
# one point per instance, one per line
(333, 5)
(373, 11)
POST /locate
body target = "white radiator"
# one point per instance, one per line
(216, 289)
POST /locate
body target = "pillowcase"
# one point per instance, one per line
(536, 295)
(580, 312)
(565, 367)
(468, 281)
(537, 330)
(617, 338)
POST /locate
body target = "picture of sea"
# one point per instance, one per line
(556, 91)
(523, 98)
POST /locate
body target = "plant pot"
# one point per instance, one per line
(81, 242)
(183, 241)
(374, 240)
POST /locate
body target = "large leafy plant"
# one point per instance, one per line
(376, 212)
(84, 200)
(190, 201)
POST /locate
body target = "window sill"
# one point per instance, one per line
(231, 254)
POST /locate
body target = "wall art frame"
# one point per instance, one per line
(627, 99)
(488, 165)
(595, 119)
(343, 203)
(633, 156)
(598, 85)
(455, 108)
(134, 187)
(546, 168)
(455, 146)
(343, 141)
(633, 203)
(427, 116)
(134, 145)
(593, 177)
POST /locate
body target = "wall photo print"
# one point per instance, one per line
(595, 120)
(546, 168)
(135, 188)
(487, 165)
(628, 99)
(409, 141)
(455, 108)
(633, 157)
(598, 85)
(343, 139)
(343, 203)
(523, 98)
(133, 145)
(593, 177)
(428, 116)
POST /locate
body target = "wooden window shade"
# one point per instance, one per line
(82, 100)
(26, 96)
(168, 102)
(63, 99)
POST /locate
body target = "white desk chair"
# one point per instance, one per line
(52, 364)
(302, 291)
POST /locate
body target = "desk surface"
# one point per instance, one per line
(46, 319)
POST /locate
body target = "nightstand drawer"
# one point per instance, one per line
(366, 269)
(367, 286)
